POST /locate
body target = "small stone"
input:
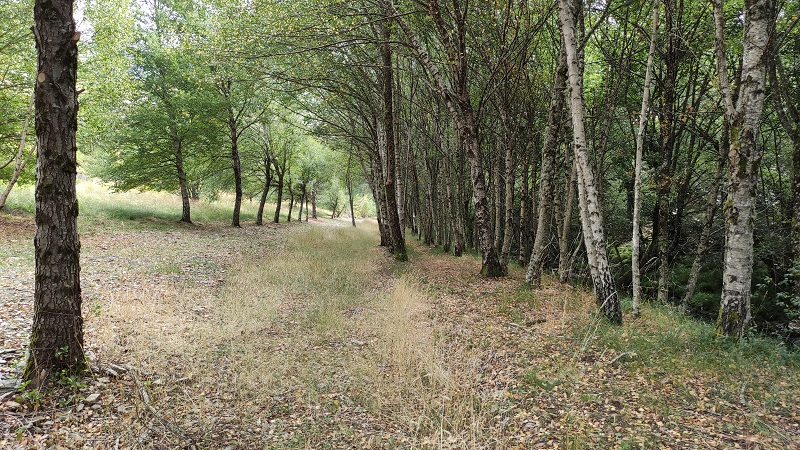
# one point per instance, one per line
(92, 399)
(79, 408)
(96, 407)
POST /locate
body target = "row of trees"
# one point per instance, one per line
(474, 121)
(471, 122)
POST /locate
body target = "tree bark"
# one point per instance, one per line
(392, 211)
(591, 214)
(291, 203)
(186, 215)
(524, 214)
(57, 332)
(566, 226)
(276, 218)
(508, 208)
(314, 204)
(637, 177)
(533, 276)
(237, 168)
(743, 160)
(263, 200)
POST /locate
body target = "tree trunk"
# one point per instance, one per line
(591, 215)
(237, 168)
(314, 204)
(533, 276)
(57, 332)
(508, 214)
(708, 220)
(392, 211)
(566, 226)
(291, 202)
(497, 194)
(300, 204)
(667, 119)
(186, 215)
(263, 201)
(743, 161)
(524, 214)
(276, 218)
(350, 200)
(20, 161)
(637, 177)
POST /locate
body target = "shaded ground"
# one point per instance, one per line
(307, 336)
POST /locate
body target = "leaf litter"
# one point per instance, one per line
(185, 354)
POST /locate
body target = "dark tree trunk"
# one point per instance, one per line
(237, 169)
(564, 261)
(291, 202)
(668, 135)
(392, 211)
(300, 204)
(533, 275)
(186, 215)
(277, 216)
(350, 200)
(314, 204)
(262, 202)
(57, 331)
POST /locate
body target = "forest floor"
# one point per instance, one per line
(309, 336)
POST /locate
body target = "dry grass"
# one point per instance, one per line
(307, 337)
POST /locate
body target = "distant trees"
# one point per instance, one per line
(17, 74)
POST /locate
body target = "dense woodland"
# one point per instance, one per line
(650, 148)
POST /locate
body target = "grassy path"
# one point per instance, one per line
(307, 336)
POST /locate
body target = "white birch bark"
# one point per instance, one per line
(744, 158)
(591, 215)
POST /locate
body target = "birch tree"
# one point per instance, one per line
(591, 214)
(744, 156)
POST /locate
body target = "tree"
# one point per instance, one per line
(21, 159)
(457, 99)
(395, 231)
(744, 116)
(170, 138)
(637, 182)
(591, 215)
(57, 331)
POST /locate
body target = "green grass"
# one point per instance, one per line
(99, 206)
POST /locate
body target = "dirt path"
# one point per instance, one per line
(307, 336)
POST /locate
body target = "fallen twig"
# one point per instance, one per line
(176, 430)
